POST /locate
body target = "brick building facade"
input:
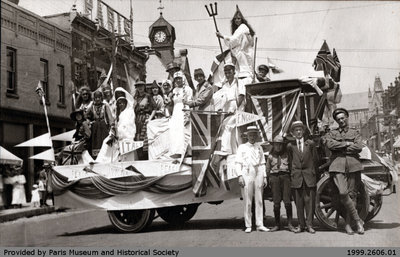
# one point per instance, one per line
(32, 49)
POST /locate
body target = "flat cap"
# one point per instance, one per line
(263, 67)
(339, 110)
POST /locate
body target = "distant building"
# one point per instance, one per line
(363, 107)
(162, 52)
(358, 106)
(32, 49)
(96, 30)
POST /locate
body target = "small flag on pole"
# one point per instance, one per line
(335, 74)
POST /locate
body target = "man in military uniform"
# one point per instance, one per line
(345, 144)
(262, 73)
(203, 95)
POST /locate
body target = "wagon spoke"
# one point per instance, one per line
(328, 205)
(337, 217)
(329, 213)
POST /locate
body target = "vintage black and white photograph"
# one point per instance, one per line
(150, 126)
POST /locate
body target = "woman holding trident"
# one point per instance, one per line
(241, 44)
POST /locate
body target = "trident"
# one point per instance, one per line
(213, 14)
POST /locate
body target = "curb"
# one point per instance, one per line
(5, 217)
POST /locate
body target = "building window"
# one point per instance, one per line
(44, 73)
(78, 74)
(61, 84)
(11, 70)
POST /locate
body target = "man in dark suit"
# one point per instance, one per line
(301, 157)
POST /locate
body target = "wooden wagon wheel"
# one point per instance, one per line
(131, 221)
(329, 210)
(375, 205)
(178, 214)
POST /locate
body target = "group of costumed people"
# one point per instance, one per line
(104, 117)
(290, 169)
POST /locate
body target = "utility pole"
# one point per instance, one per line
(378, 131)
(391, 139)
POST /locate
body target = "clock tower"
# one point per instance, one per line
(162, 38)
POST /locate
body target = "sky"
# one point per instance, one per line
(365, 34)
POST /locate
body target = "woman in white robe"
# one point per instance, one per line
(241, 44)
(179, 124)
(124, 129)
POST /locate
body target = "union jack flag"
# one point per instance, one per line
(205, 136)
(278, 110)
(324, 60)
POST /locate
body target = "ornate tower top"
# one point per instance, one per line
(161, 7)
(378, 84)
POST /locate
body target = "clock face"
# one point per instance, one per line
(160, 37)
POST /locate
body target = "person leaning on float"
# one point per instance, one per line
(345, 144)
(250, 168)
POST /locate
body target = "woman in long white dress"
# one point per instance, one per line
(18, 195)
(241, 44)
(179, 124)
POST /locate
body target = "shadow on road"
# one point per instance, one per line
(379, 224)
(210, 224)
(93, 231)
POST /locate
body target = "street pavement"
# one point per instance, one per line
(213, 225)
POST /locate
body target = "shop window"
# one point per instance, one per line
(11, 70)
(61, 84)
(44, 73)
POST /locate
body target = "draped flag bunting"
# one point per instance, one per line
(88, 6)
(127, 28)
(110, 19)
(118, 23)
(278, 110)
(100, 13)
